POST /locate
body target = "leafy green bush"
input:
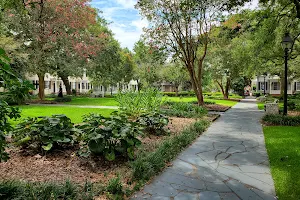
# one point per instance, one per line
(63, 99)
(45, 133)
(154, 123)
(281, 120)
(257, 94)
(136, 103)
(148, 165)
(6, 113)
(115, 186)
(109, 136)
(182, 109)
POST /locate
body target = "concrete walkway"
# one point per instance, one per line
(228, 162)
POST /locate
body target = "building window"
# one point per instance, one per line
(83, 86)
(46, 84)
(276, 86)
(79, 86)
(298, 86)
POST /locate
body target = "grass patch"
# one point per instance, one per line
(112, 102)
(284, 153)
(75, 114)
(93, 101)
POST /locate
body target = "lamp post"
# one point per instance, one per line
(265, 74)
(287, 43)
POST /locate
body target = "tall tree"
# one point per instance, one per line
(45, 23)
(183, 28)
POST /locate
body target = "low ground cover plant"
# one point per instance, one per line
(45, 133)
(183, 109)
(154, 123)
(281, 120)
(63, 99)
(109, 137)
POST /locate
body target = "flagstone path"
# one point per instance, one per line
(228, 162)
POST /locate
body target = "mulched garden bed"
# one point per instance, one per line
(216, 107)
(63, 165)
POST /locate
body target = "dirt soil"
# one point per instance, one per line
(60, 166)
(216, 107)
(294, 113)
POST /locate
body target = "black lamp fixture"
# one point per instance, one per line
(287, 43)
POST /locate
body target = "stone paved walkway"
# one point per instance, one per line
(228, 162)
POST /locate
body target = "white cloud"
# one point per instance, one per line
(129, 4)
(140, 24)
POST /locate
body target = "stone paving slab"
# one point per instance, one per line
(228, 162)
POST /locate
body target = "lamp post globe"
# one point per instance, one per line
(287, 43)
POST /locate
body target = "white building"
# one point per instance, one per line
(271, 85)
(81, 85)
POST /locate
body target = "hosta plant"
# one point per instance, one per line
(45, 133)
(109, 136)
(154, 123)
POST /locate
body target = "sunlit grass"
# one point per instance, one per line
(283, 148)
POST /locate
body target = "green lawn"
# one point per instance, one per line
(93, 101)
(283, 146)
(75, 114)
(112, 102)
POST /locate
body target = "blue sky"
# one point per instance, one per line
(127, 24)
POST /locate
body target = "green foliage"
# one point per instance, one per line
(281, 120)
(15, 190)
(115, 186)
(148, 165)
(182, 109)
(45, 133)
(109, 136)
(63, 99)
(6, 113)
(136, 103)
(154, 123)
(181, 94)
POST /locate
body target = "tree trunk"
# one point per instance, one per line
(66, 82)
(176, 90)
(221, 87)
(227, 87)
(41, 86)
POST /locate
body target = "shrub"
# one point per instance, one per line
(14, 190)
(6, 113)
(149, 164)
(154, 123)
(181, 109)
(136, 103)
(109, 136)
(291, 105)
(63, 99)
(74, 93)
(115, 186)
(257, 94)
(45, 133)
(282, 120)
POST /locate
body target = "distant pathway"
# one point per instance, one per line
(76, 106)
(228, 162)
